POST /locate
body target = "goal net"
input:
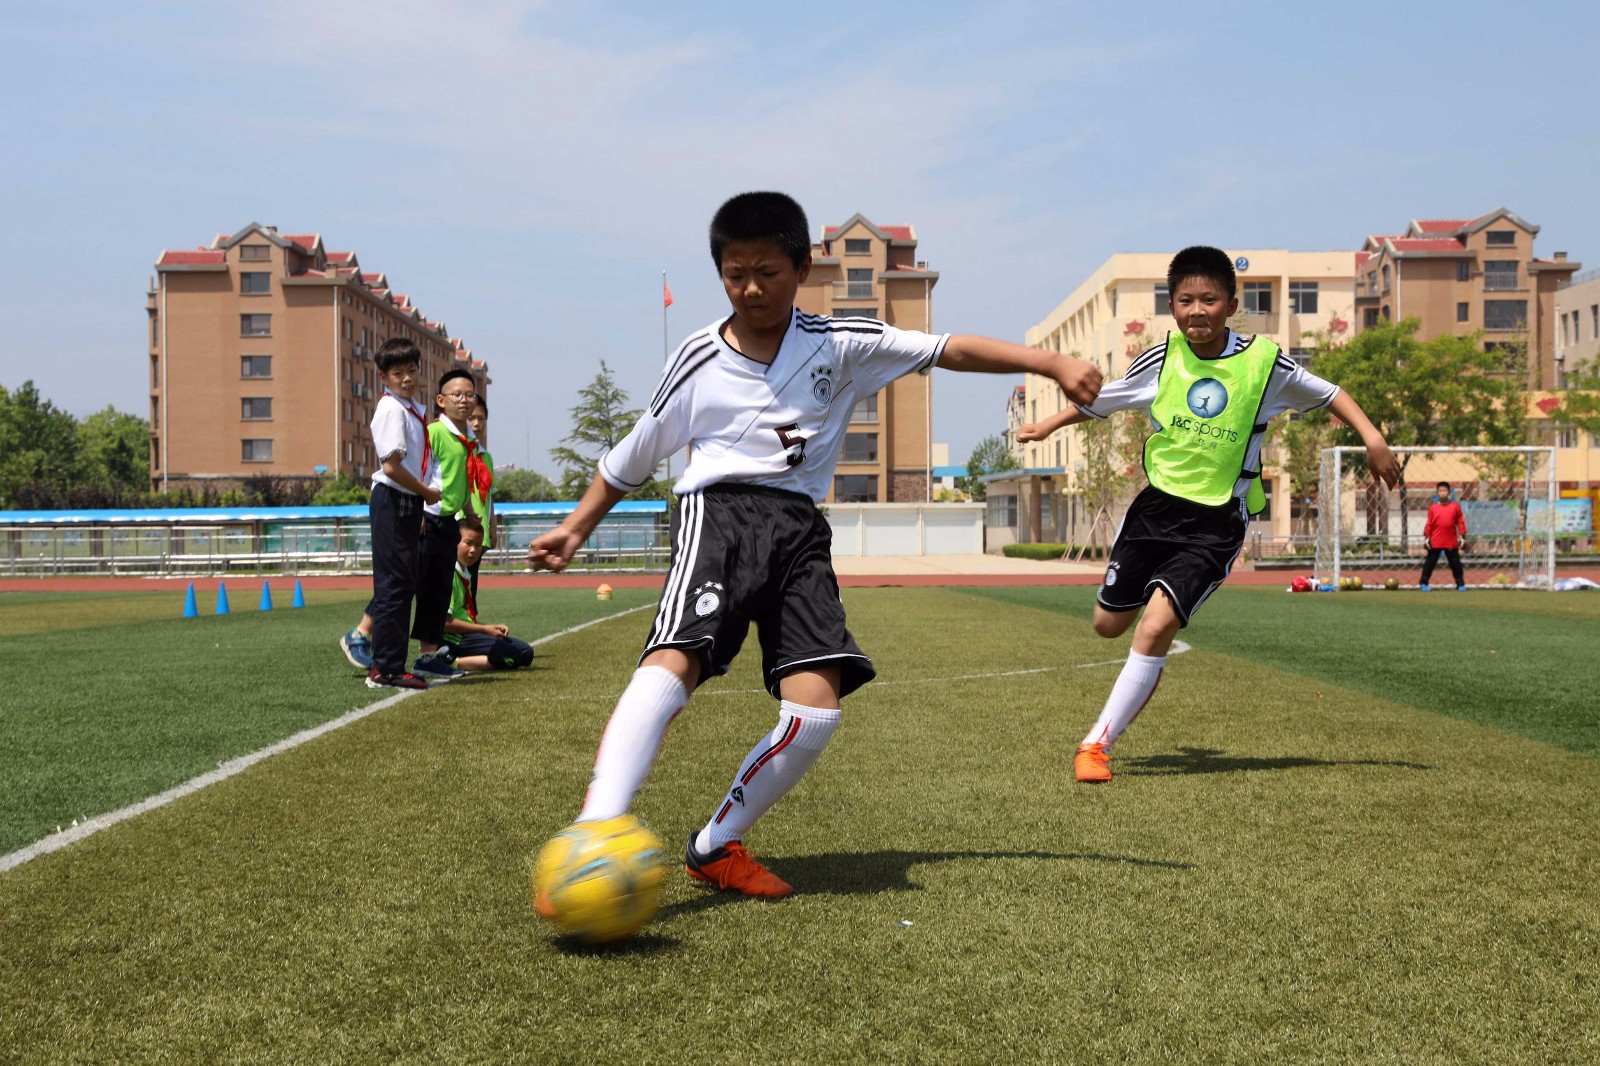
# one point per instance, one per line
(1370, 532)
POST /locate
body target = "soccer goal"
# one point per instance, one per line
(1373, 533)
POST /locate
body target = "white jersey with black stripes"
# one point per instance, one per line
(1290, 388)
(780, 424)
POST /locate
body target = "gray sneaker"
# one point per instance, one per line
(436, 666)
(357, 648)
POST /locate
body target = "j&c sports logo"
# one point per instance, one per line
(1207, 398)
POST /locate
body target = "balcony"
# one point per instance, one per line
(854, 290)
(1497, 282)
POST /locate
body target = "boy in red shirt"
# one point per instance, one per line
(1445, 527)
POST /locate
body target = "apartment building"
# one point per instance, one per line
(1467, 275)
(261, 358)
(1118, 311)
(860, 268)
(1576, 334)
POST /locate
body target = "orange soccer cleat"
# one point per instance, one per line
(733, 868)
(1091, 765)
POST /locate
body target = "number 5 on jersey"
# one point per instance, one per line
(790, 437)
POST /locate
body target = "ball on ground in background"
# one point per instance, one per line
(1300, 584)
(1391, 583)
(1344, 584)
(1355, 582)
(603, 592)
(602, 878)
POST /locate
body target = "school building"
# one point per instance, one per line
(863, 269)
(261, 359)
(1118, 312)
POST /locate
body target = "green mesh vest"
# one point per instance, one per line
(1208, 411)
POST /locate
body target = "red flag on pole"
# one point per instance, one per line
(666, 295)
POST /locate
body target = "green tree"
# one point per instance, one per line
(116, 450)
(1441, 392)
(523, 486)
(341, 490)
(599, 421)
(989, 456)
(1112, 450)
(38, 446)
(1579, 404)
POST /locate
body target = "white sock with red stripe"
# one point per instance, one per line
(772, 768)
(632, 738)
(1134, 687)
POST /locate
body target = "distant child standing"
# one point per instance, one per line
(480, 481)
(399, 493)
(1210, 393)
(1443, 531)
(478, 645)
(764, 395)
(452, 444)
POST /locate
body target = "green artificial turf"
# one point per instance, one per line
(1285, 869)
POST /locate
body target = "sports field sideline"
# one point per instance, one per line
(1350, 828)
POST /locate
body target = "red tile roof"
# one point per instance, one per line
(1427, 244)
(198, 257)
(340, 257)
(897, 233)
(308, 241)
(1439, 225)
(1361, 259)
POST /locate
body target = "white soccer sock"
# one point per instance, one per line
(632, 738)
(1134, 687)
(773, 767)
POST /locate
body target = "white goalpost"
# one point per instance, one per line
(1372, 533)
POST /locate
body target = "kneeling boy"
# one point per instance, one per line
(478, 645)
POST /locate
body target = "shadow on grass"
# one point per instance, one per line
(866, 873)
(642, 945)
(1214, 761)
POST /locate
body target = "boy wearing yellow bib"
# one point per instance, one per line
(1210, 394)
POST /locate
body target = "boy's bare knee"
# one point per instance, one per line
(1110, 623)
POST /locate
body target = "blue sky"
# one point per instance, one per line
(526, 171)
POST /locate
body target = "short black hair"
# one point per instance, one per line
(471, 521)
(483, 402)
(457, 372)
(761, 216)
(1446, 484)
(397, 351)
(1202, 261)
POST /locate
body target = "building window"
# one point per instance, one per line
(1384, 311)
(1501, 238)
(1163, 298)
(255, 325)
(1505, 314)
(1577, 328)
(860, 283)
(1463, 270)
(155, 412)
(1303, 356)
(254, 283)
(255, 253)
(155, 372)
(257, 450)
(1369, 317)
(1500, 275)
(860, 448)
(255, 366)
(1258, 297)
(1303, 297)
(1594, 320)
(349, 411)
(1058, 452)
(1001, 512)
(855, 312)
(1566, 436)
(349, 329)
(1386, 276)
(857, 246)
(256, 408)
(865, 410)
(855, 488)
(1463, 312)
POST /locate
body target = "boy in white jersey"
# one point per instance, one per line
(1210, 394)
(764, 396)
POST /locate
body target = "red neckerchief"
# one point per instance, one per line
(467, 597)
(427, 451)
(478, 475)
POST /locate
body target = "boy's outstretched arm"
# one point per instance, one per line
(1067, 416)
(986, 355)
(1379, 458)
(553, 550)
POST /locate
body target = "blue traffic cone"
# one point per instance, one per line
(299, 596)
(189, 608)
(222, 598)
(266, 597)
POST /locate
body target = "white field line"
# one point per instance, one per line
(225, 770)
(1178, 648)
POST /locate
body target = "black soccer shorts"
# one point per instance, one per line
(1183, 548)
(748, 553)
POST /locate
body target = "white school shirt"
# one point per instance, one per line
(397, 428)
(1290, 388)
(780, 425)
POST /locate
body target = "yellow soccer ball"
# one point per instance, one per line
(600, 880)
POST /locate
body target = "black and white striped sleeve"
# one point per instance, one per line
(889, 353)
(1134, 390)
(666, 425)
